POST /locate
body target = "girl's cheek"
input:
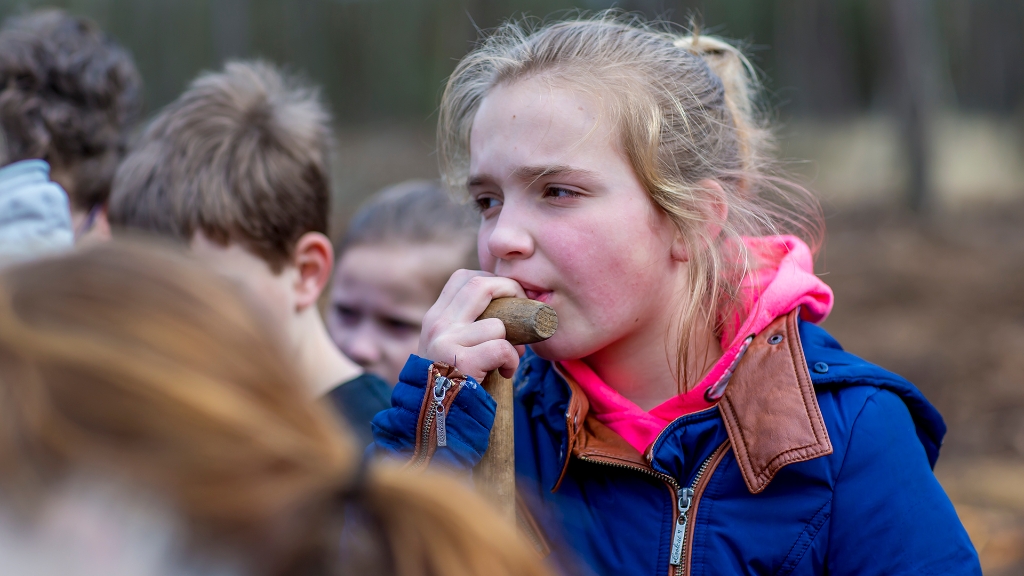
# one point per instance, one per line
(487, 262)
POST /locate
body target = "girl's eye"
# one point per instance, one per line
(400, 328)
(558, 192)
(485, 203)
(347, 315)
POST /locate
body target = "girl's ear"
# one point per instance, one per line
(716, 215)
(718, 208)
(680, 252)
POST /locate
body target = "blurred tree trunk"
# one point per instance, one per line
(230, 28)
(813, 57)
(915, 88)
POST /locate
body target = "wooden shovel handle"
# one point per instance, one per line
(526, 322)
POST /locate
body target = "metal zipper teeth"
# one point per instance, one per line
(672, 482)
(428, 421)
(663, 477)
(692, 512)
(527, 528)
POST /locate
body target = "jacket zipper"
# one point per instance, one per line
(436, 411)
(696, 489)
(683, 506)
(672, 483)
(685, 499)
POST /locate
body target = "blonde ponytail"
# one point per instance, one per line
(739, 79)
(429, 524)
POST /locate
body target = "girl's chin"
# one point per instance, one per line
(555, 349)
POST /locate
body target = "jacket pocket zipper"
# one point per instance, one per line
(441, 387)
(436, 419)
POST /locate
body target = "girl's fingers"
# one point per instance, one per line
(454, 284)
(477, 293)
(479, 332)
(490, 355)
(453, 339)
(451, 332)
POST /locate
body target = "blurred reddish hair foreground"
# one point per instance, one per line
(132, 365)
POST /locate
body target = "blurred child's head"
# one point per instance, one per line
(69, 95)
(131, 375)
(616, 164)
(237, 167)
(398, 252)
(134, 364)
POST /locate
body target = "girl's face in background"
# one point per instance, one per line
(565, 215)
(379, 297)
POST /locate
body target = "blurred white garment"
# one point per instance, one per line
(35, 219)
(91, 528)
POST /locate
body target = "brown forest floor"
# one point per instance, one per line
(942, 302)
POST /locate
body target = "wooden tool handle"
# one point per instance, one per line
(526, 322)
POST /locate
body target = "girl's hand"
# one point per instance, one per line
(452, 334)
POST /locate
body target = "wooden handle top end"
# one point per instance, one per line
(526, 321)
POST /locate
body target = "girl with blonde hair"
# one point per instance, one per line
(135, 373)
(688, 416)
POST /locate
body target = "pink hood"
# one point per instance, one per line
(784, 280)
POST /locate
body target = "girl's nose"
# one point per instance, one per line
(509, 239)
(362, 345)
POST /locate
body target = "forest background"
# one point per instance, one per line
(905, 116)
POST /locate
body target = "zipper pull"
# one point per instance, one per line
(442, 432)
(679, 534)
(441, 386)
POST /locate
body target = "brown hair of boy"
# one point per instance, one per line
(69, 95)
(134, 363)
(414, 212)
(242, 157)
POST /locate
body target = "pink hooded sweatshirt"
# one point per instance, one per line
(784, 280)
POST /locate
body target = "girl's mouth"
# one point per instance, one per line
(538, 295)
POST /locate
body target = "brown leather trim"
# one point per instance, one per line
(589, 438)
(770, 410)
(576, 412)
(423, 453)
(595, 441)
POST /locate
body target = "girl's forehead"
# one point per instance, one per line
(538, 122)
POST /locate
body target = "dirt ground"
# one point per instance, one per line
(941, 301)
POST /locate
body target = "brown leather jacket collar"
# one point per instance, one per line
(770, 412)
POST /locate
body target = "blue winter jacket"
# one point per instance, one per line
(814, 462)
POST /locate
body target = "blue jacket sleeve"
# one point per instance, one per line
(889, 513)
(469, 420)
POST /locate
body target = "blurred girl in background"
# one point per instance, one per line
(397, 253)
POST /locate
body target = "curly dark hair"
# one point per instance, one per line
(70, 95)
